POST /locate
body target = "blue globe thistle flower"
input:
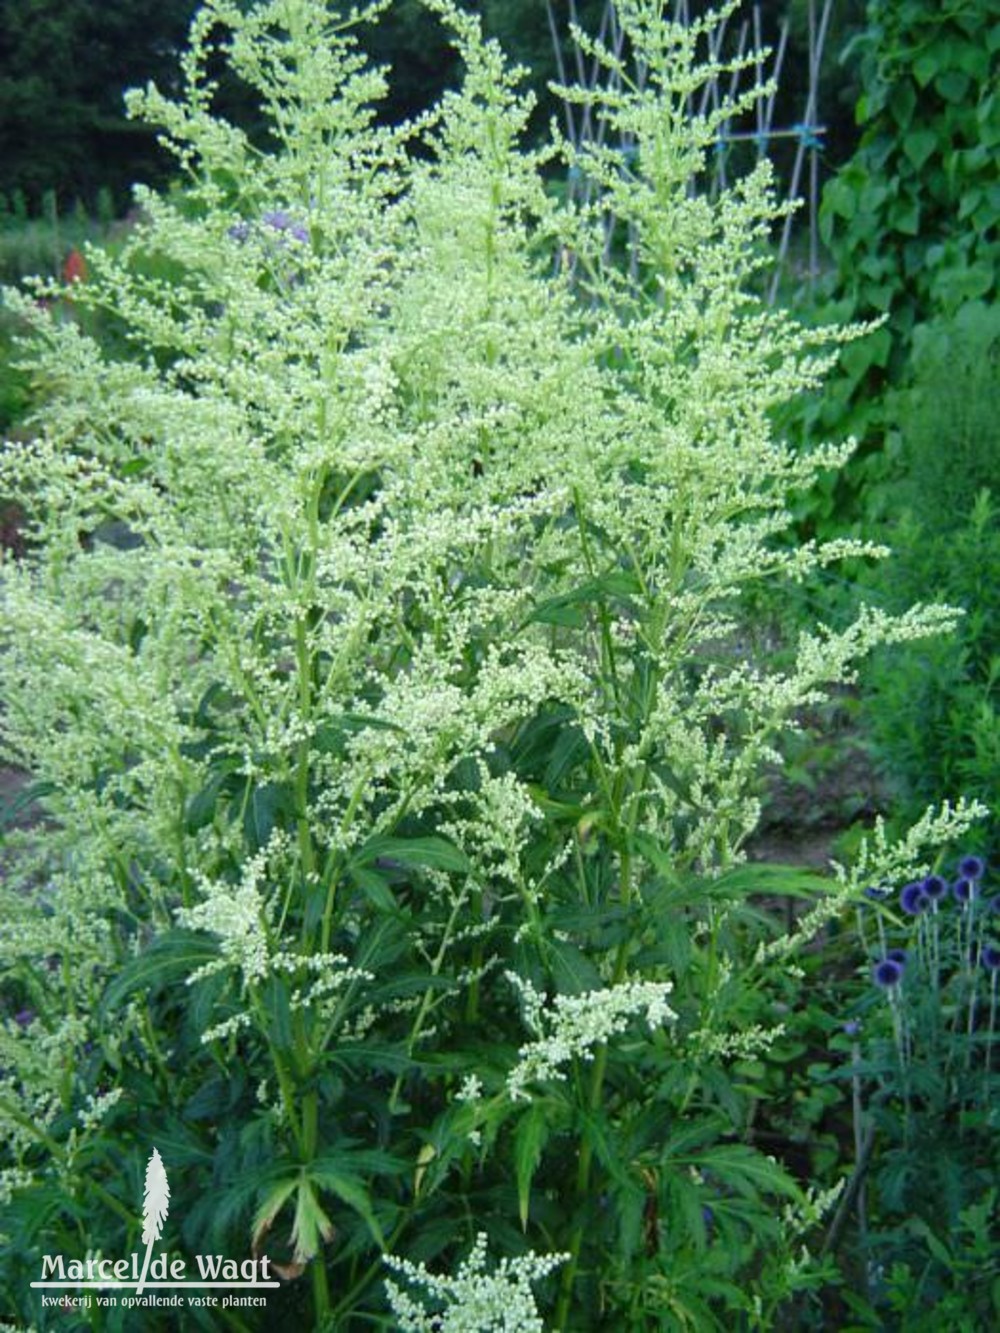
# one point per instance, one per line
(277, 218)
(852, 1028)
(913, 900)
(887, 973)
(964, 890)
(897, 955)
(990, 957)
(935, 886)
(971, 867)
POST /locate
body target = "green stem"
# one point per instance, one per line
(472, 1001)
(285, 1086)
(427, 999)
(302, 775)
(586, 1158)
(310, 1142)
(373, 1269)
(607, 640)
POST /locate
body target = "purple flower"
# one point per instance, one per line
(887, 973)
(897, 955)
(24, 1017)
(990, 957)
(239, 231)
(875, 894)
(964, 890)
(852, 1028)
(299, 233)
(971, 867)
(278, 219)
(993, 904)
(935, 886)
(913, 900)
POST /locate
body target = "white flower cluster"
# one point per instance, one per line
(227, 1028)
(97, 1107)
(334, 973)
(239, 914)
(742, 1045)
(572, 1026)
(471, 1089)
(474, 1300)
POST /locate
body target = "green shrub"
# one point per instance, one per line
(378, 665)
(932, 712)
(910, 222)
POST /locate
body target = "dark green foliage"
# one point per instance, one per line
(911, 221)
(64, 65)
(932, 709)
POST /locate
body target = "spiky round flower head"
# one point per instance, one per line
(897, 955)
(971, 867)
(875, 893)
(852, 1028)
(935, 886)
(913, 900)
(887, 973)
(964, 890)
(990, 957)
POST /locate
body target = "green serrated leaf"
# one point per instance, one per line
(433, 852)
(311, 1227)
(568, 750)
(277, 1006)
(169, 959)
(271, 1205)
(747, 1171)
(269, 803)
(529, 1139)
(349, 1190)
(375, 888)
(201, 807)
(572, 971)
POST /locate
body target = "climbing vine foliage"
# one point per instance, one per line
(379, 663)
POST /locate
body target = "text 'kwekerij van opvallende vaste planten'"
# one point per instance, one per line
(377, 657)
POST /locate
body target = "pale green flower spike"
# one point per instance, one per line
(474, 1300)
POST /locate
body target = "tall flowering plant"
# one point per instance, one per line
(378, 660)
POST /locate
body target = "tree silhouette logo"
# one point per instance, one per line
(155, 1205)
